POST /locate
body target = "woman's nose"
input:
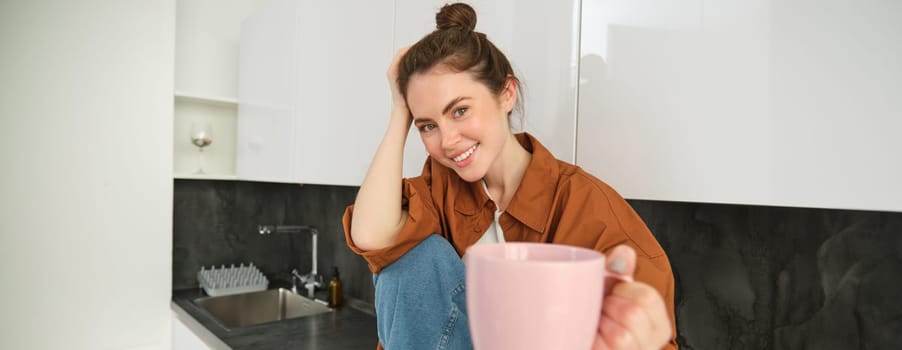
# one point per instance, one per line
(450, 137)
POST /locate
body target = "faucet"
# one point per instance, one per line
(311, 280)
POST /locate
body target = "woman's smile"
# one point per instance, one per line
(466, 157)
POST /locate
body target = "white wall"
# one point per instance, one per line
(789, 103)
(86, 190)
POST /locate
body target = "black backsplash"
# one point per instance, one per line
(215, 222)
(748, 277)
(754, 277)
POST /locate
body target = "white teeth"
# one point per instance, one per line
(465, 155)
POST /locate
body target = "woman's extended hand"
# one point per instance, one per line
(634, 315)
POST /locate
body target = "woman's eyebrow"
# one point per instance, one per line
(422, 120)
(445, 110)
(453, 102)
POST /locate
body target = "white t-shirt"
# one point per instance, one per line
(493, 234)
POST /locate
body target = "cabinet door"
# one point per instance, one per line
(266, 120)
(540, 40)
(183, 338)
(313, 96)
(343, 50)
(784, 103)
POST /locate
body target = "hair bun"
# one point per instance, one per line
(456, 16)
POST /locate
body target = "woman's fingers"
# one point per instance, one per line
(622, 260)
(634, 316)
(614, 336)
(398, 101)
(621, 265)
(395, 62)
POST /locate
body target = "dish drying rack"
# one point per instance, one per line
(231, 280)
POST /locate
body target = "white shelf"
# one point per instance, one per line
(230, 177)
(213, 100)
(218, 158)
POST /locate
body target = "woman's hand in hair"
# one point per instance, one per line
(399, 104)
(634, 315)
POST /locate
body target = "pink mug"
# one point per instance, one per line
(534, 295)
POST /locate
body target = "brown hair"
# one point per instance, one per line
(455, 44)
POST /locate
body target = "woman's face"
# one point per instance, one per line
(461, 122)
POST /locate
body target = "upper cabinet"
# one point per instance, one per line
(314, 100)
(206, 85)
(785, 103)
(206, 52)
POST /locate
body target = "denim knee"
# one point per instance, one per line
(421, 301)
(433, 259)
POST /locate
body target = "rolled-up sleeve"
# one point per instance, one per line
(423, 220)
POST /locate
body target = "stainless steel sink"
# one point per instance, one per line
(248, 309)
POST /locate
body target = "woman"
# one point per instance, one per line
(483, 183)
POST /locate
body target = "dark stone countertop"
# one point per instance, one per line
(352, 326)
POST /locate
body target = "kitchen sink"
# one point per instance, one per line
(246, 309)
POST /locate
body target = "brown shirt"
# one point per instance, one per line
(556, 202)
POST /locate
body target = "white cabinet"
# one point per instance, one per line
(183, 338)
(786, 103)
(206, 83)
(189, 334)
(266, 62)
(313, 98)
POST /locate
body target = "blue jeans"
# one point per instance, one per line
(420, 299)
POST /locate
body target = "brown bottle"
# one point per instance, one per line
(335, 289)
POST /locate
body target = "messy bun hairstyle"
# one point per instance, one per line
(456, 16)
(456, 45)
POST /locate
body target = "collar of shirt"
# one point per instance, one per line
(532, 202)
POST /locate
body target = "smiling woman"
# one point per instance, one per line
(464, 125)
(484, 184)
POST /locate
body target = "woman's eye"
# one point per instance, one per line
(460, 112)
(427, 127)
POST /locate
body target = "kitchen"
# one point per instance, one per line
(797, 231)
